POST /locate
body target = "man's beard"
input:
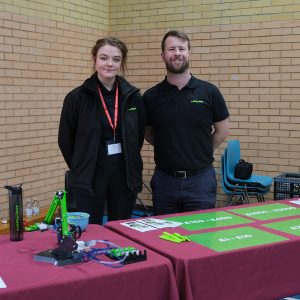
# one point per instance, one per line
(174, 70)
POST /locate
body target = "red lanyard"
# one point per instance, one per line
(113, 126)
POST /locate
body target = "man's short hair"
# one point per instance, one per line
(175, 33)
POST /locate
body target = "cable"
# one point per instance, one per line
(90, 253)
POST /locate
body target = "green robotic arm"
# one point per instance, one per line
(66, 234)
(59, 199)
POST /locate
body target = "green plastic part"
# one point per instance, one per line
(33, 227)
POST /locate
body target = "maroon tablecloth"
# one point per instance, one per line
(255, 273)
(32, 280)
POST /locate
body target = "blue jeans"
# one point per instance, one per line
(173, 195)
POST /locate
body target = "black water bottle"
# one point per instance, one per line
(15, 212)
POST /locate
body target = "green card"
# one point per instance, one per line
(237, 238)
(209, 220)
(268, 211)
(288, 226)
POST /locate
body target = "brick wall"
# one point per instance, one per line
(43, 55)
(250, 49)
(88, 13)
(153, 14)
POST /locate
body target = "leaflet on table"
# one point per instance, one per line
(150, 224)
(2, 284)
(158, 223)
(297, 201)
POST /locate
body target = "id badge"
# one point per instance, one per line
(113, 147)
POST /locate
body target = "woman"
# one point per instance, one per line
(101, 133)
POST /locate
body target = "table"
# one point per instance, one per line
(260, 272)
(32, 280)
(4, 228)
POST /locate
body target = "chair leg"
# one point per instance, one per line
(247, 199)
(260, 198)
(231, 197)
(229, 200)
(241, 199)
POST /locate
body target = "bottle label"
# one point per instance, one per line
(35, 211)
(17, 218)
(29, 212)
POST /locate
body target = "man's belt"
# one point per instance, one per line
(183, 174)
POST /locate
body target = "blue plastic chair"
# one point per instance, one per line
(243, 191)
(252, 188)
(233, 155)
(231, 192)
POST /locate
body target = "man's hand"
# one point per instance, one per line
(220, 133)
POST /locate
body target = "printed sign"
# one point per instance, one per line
(139, 226)
(288, 226)
(237, 238)
(209, 220)
(149, 224)
(268, 211)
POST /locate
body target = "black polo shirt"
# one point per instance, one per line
(182, 122)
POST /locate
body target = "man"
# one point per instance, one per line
(188, 119)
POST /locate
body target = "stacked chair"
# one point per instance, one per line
(256, 186)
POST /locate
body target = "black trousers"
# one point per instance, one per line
(174, 195)
(109, 188)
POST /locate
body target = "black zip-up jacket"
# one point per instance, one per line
(79, 134)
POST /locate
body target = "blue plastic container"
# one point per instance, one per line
(79, 219)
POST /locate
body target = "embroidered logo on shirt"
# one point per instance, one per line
(197, 101)
(132, 108)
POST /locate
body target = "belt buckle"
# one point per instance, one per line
(180, 174)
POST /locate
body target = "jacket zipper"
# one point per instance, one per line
(127, 160)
